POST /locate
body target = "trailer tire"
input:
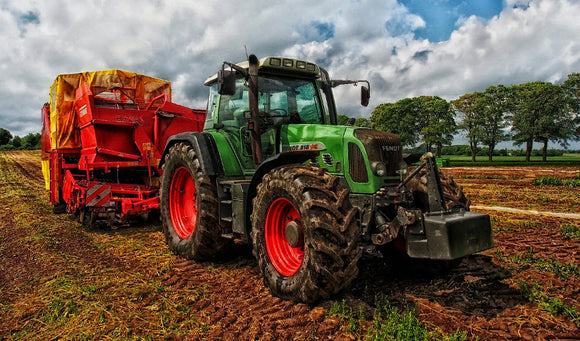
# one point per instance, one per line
(189, 206)
(305, 233)
(59, 208)
(87, 218)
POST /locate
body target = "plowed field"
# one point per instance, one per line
(59, 281)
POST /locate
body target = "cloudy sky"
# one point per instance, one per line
(406, 48)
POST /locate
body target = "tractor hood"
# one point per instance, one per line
(326, 139)
(367, 158)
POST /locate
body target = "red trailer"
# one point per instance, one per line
(102, 140)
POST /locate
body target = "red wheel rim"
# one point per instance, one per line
(182, 204)
(285, 258)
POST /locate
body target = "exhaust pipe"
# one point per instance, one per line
(254, 126)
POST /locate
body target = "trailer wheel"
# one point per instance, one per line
(305, 233)
(189, 206)
(87, 218)
(59, 208)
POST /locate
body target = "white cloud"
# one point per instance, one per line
(185, 42)
(522, 44)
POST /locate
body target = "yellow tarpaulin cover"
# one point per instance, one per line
(63, 126)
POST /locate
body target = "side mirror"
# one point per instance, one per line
(226, 82)
(365, 95)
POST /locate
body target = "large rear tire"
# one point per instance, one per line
(305, 233)
(189, 206)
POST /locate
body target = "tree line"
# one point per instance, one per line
(28, 142)
(525, 113)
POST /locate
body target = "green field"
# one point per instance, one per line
(564, 160)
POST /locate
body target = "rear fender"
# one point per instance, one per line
(205, 148)
(279, 160)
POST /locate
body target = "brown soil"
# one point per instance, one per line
(512, 187)
(59, 281)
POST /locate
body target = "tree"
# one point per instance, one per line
(342, 120)
(5, 136)
(436, 122)
(497, 103)
(399, 118)
(427, 119)
(471, 107)
(541, 114)
(17, 142)
(571, 88)
(363, 122)
(31, 141)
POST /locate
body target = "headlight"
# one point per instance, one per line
(379, 168)
(403, 169)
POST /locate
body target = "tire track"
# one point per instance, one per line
(541, 236)
(33, 240)
(235, 303)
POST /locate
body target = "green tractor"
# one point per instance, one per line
(273, 168)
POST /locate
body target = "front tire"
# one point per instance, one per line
(189, 206)
(305, 233)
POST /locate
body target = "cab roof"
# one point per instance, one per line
(278, 65)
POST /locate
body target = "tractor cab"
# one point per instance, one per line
(281, 101)
(286, 92)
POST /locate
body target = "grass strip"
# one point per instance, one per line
(553, 305)
(388, 323)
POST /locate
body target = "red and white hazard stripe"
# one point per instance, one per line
(98, 195)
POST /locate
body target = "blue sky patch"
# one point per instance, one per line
(25, 19)
(325, 30)
(441, 16)
(29, 18)
(318, 31)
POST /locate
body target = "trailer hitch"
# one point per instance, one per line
(389, 230)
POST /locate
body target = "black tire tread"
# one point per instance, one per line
(206, 241)
(331, 233)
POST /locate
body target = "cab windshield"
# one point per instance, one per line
(285, 101)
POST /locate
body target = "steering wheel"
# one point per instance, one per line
(278, 112)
